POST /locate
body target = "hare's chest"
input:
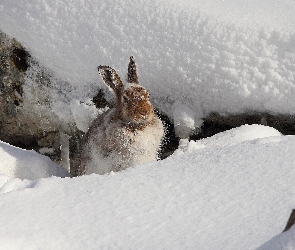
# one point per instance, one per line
(114, 148)
(145, 140)
(133, 143)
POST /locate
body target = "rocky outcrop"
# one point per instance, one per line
(291, 221)
(26, 117)
(14, 63)
(216, 123)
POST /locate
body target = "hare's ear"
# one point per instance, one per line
(132, 71)
(111, 78)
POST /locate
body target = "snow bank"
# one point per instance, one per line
(25, 164)
(233, 197)
(226, 56)
(230, 138)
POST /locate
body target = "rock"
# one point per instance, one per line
(291, 221)
(26, 116)
(216, 123)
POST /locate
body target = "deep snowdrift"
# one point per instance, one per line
(226, 56)
(235, 196)
(27, 164)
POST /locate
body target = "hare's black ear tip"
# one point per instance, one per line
(101, 68)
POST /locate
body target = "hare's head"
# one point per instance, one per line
(133, 101)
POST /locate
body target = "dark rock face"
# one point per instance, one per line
(26, 119)
(13, 58)
(170, 141)
(20, 58)
(216, 123)
(291, 221)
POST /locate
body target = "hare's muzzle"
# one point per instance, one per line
(141, 111)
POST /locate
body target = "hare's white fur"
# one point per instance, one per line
(117, 139)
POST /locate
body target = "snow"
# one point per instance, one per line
(46, 151)
(84, 113)
(234, 190)
(235, 196)
(184, 122)
(27, 164)
(229, 56)
(284, 241)
(231, 138)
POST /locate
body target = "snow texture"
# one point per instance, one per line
(225, 56)
(284, 241)
(84, 114)
(234, 190)
(236, 196)
(184, 122)
(25, 164)
(230, 137)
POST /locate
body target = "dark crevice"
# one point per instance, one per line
(99, 100)
(20, 59)
(215, 123)
(291, 221)
(170, 141)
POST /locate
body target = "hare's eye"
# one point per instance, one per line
(125, 99)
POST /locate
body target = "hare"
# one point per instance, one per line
(128, 134)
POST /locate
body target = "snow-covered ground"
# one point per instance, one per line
(24, 164)
(236, 195)
(234, 190)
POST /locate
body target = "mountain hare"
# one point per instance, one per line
(128, 134)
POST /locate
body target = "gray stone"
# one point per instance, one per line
(26, 117)
(291, 221)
